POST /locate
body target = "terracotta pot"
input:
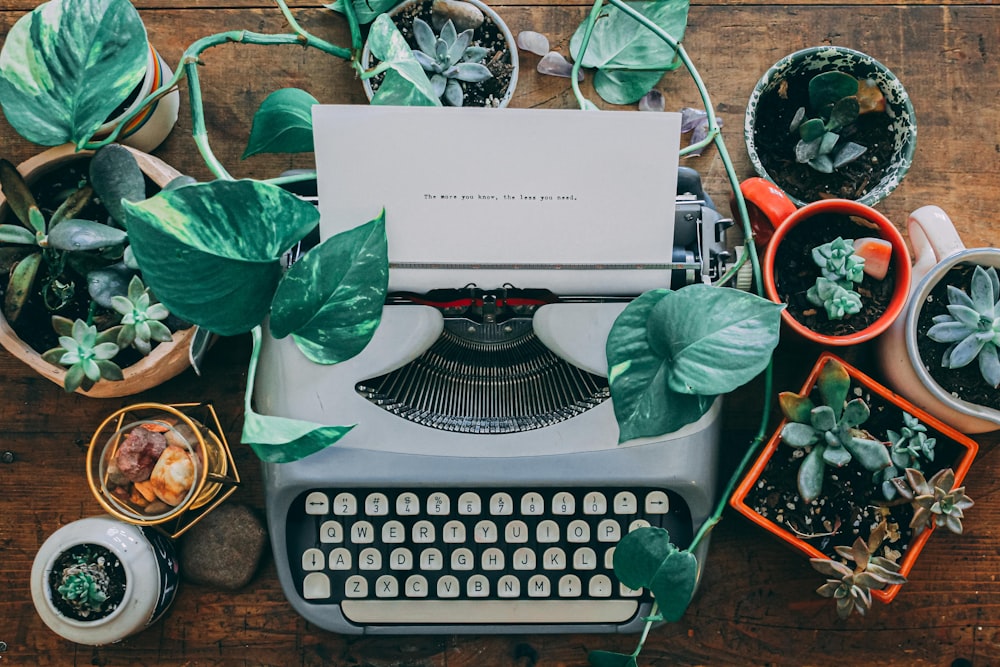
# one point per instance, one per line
(937, 248)
(164, 362)
(769, 203)
(961, 467)
(490, 15)
(821, 59)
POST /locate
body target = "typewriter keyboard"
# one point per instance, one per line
(473, 556)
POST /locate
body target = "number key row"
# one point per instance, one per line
(470, 503)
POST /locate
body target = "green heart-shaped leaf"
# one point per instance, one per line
(331, 299)
(645, 558)
(279, 439)
(52, 58)
(620, 42)
(283, 123)
(404, 83)
(644, 403)
(210, 251)
(624, 86)
(726, 346)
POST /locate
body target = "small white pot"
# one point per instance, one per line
(151, 574)
(149, 129)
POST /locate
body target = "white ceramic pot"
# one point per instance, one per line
(366, 55)
(936, 249)
(151, 577)
(149, 129)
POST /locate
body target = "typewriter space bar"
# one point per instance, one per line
(421, 612)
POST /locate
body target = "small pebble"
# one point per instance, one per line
(533, 42)
(652, 101)
(224, 548)
(462, 14)
(555, 64)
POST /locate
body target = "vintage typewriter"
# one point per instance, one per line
(483, 488)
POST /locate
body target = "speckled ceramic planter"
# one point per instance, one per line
(816, 60)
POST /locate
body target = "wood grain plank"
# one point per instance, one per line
(756, 604)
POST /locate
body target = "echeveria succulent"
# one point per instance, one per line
(838, 301)
(936, 501)
(86, 353)
(141, 318)
(972, 325)
(851, 587)
(449, 58)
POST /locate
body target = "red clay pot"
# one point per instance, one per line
(774, 206)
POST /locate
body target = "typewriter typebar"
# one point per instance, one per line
(483, 487)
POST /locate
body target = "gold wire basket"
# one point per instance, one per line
(167, 466)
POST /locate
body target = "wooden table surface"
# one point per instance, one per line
(756, 604)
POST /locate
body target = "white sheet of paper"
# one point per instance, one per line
(579, 202)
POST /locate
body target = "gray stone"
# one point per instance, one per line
(224, 548)
(462, 14)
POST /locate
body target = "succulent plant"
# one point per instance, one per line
(141, 318)
(972, 325)
(64, 243)
(851, 587)
(838, 99)
(907, 448)
(830, 430)
(448, 58)
(837, 261)
(935, 501)
(84, 585)
(838, 301)
(85, 353)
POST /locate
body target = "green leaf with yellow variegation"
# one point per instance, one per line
(280, 439)
(67, 66)
(210, 251)
(404, 82)
(331, 299)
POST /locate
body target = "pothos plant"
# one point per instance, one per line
(230, 236)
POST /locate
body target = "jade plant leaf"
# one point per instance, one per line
(70, 235)
(644, 403)
(210, 251)
(630, 59)
(645, 558)
(728, 345)
(404, 82)
(52, 58)
(610, 659)
(280, 439)
(115, 175)
(282, 124)
(365, 10)
(331, 299)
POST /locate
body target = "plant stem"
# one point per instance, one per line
(574, 76)
(188, 68)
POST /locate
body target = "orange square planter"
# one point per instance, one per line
(961, 466)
